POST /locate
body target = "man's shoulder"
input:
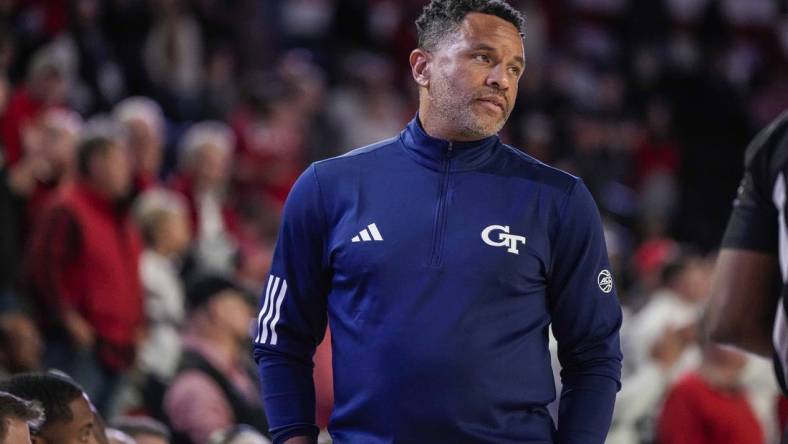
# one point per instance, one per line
(769, 148)
(521, 164)
(358, 154)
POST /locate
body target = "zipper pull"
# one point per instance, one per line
(450, 150)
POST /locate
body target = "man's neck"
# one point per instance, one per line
(435, 126)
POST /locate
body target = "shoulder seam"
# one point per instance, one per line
(350, 154)
(324, 218)
(537, 163)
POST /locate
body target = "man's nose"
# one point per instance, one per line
(497, 78)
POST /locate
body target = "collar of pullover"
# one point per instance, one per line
(437, 153)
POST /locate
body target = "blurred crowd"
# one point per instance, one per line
(147, 147)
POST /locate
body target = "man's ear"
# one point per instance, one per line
(420, 66)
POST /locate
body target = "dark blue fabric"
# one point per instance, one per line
(438, 336)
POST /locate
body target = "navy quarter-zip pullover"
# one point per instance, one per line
(440, 266)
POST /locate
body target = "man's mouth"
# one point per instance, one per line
(495, 101)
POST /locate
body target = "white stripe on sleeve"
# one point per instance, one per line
(276, 317)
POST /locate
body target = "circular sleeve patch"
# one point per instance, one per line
(605, 281)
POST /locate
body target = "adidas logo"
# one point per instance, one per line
(368, 234)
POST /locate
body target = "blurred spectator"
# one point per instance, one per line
(173, 57)
(99, 82)
(45, 87)
(368, 108)
(204, 178)
(676, 305)
(321, 133)
(216, 386)
(710, 405)
(21, 344)
(68, 414)
(143, 430)
(17, 418)
(220, 93)
(271, 139)
(49, 160)
(643, 389)
(653, 254)
(163, 221)
(84, 249)
(657, 163)
(52, 139)
(145, 127)
(658, 344)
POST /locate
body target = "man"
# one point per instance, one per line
(17, 416)
(744, 310)
(83, 268)
(215, 387)
(441, 257)
(68, 412)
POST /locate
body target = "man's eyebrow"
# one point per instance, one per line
(486, 47)
(483, 47)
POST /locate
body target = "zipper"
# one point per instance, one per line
(439, 229)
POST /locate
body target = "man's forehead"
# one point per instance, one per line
(479, 23)
(491, 31)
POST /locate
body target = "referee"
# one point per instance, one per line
(748, 305)
(440, 258)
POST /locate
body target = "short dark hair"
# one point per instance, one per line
(441, 17)
(52, 391)
(13, 407)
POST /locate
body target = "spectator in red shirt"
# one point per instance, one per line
(83, 269)
(708, 406)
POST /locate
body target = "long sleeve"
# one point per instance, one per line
(292, 318)
(586, 318)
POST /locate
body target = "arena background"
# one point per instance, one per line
(652, 103)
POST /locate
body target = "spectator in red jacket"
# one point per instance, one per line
(708, 406)
(83, 268)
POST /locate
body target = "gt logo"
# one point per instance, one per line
(504, 238)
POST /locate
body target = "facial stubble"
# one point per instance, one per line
(455, 109)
